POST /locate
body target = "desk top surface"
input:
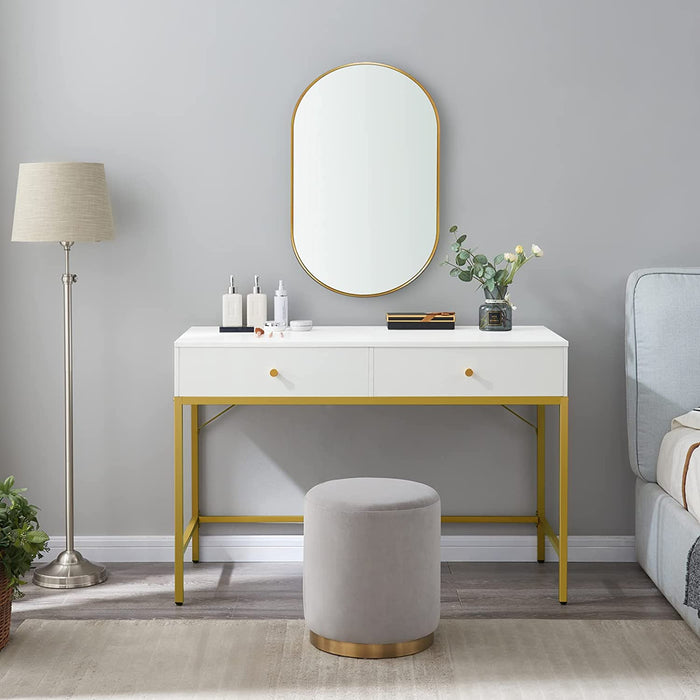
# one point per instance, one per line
(374, 336)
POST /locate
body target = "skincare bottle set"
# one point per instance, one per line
(256, 310)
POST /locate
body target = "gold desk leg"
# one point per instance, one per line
(563, 495)
(540, 482)
(194, 441)
(179, 533)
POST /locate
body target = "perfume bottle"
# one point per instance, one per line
(256, 306)
(231, 307)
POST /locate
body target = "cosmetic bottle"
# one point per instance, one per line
(232, 307)
(281, 306)
(256, 306)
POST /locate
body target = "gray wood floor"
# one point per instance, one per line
(604, 591)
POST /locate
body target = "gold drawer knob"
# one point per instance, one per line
(469, 371)
(273, 372)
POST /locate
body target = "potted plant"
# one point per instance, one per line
(494, 276)
(21, 541)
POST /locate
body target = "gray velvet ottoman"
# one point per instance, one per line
(372, 566)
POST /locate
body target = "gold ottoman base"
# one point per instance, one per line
(370, 651)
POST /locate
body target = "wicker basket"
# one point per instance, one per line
(5, 608)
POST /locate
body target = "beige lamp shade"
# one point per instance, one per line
(62, 202)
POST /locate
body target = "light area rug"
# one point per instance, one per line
(490, 659)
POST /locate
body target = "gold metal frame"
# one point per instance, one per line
(437, 183)
(190, 532)
(370, 651)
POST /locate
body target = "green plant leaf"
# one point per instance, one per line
(490, 285)
(453, 229)
(489, 272)
(500, 277)
(21, 541)
(455, 247)
(462, 238)
(481, 259)
(37, 537)
(465, 276)
(498, 259)
(478, 269)
(454, 272)
(461, 257)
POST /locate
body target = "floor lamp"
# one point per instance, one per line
(64, 203)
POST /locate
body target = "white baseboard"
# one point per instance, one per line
(145, 548)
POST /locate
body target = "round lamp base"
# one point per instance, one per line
(69, 570)
(370, 651)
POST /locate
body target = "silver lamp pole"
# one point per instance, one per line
(68, 203)
(70, 569)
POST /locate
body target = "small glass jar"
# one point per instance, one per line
(495, 315)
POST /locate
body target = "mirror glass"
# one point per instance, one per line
(365, 165)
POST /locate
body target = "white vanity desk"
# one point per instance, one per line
(370, 365)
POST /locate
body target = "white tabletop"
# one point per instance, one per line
(375, 336)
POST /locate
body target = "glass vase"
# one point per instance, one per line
(495, 314)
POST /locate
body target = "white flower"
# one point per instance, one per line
(510, 257)
(537, 251)
(519, 249)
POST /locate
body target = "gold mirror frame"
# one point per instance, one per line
(437, 205)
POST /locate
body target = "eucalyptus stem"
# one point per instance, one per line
(489, 274)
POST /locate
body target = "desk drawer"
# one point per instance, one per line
(527, 371)
(248, 372)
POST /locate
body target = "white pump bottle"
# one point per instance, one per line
(256, 306)
(232, 307)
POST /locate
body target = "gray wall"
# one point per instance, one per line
(570, 124)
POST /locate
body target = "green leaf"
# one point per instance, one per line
(490, 285)
(462, 238)
(462, 257)
(478, 269)
(498, 259)
(37, 537)
(489, 272)
(453, 229)
(454, 272)
(481, 259)
(455, 247)
(465, 276)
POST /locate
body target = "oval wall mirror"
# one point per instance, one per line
(365, 179)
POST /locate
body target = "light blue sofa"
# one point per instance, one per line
(662, 359)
